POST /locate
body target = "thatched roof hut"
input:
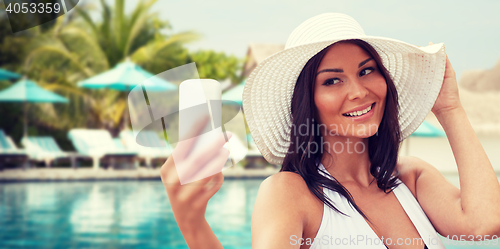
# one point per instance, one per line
(256, 53)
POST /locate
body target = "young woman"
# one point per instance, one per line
(333, 108)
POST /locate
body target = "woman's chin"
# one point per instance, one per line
(362, 135)
(358, 131)
(364, 131)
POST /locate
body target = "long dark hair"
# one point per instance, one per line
(382, 147)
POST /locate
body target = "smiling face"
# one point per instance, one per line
(349, 92)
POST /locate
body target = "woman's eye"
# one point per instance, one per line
(366, 71)
(332, 81)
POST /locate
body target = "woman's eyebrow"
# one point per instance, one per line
(335, 70)
(338, 70)
(364, 62)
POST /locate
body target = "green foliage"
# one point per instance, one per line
(12, 46)
(217, 65)
(77, 46)
(71, 52)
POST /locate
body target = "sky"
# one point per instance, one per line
(470, 30)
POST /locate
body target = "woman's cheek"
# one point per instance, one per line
(380, 88)
(328, 103)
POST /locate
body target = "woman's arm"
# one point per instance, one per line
(479, 187)
(474, 209)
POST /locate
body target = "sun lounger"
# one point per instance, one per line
(118, 143)
(252, 148)
(157, 150)
(45, 149)
(10, 154)
(99, 145)
(244, 150)
(253, 157)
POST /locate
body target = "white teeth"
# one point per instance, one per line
(359, 113)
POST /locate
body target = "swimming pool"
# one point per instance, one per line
(117, 214)
(114, 214)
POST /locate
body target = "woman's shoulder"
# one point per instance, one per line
(285, 189)
(284, 178)
(281, 210)
(284, 202)
(285, 183)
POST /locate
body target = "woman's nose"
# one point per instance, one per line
(356, 89)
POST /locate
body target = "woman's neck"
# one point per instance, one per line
(346, 159)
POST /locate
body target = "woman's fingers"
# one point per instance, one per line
(192, 175)
(186, 143)
(214, 166)
(170, 178)
(180, 170)
(205, 155)
(168, 173)
(449, 72)
(203, 163)
(198, 192)
(213, 185)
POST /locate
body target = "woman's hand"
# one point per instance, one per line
(448, 98)
(472, 209)
(191, 181)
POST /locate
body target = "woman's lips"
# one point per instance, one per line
(362, 117)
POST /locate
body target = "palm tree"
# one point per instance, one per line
(73, 51)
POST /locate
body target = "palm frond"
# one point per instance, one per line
(63, 53)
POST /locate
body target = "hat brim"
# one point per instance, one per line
(417, 73)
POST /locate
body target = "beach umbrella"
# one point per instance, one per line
(235, 94)
(27, 91)
(124, 77)
(8, 75)
(424, 130)
(428, 130)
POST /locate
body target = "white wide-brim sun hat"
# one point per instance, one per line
(417, 73)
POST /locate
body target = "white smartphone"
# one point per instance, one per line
(198, 98)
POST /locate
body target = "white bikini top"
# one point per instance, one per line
(339, 231)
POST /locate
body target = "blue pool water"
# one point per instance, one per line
(114, 214)
(119, 214)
